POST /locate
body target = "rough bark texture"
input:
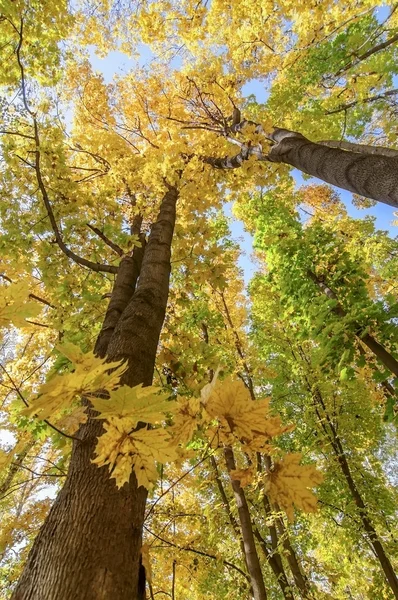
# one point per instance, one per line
(365, 174)
(89, 546)
(252, 560)
(126, 280)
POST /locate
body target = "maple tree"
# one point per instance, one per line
(195, 429)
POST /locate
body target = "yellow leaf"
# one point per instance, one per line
(90, 376)
(124, 450)
(289, 484)
(15, 305)
(71, 423)
(7, 457)
(244, 476)
(239, 415)
(186, 420)
(138, 403)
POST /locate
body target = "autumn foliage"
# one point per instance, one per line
(212, 425)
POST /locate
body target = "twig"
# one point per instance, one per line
(17, 390)
(105, 239)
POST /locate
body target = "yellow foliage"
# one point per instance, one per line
(239, 417)
(90, 376)
(137, 403)
(7, 457)
(70, 423)
(186, 420)
(289, 484)
(15, 305)
(125, 450)
(244, 476)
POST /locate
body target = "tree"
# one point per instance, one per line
(111, 199)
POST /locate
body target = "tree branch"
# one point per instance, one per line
(105, 239)
(200, 552)
(344, 107)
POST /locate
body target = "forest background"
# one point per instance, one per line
(258, 460)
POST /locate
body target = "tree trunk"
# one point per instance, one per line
(89, 546)
(369, 175)
(355, 493)
(252, 560)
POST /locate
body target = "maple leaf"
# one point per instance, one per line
(7, 457)
(90, 376)
(137, 403)
(70, 423)
(186, 420)
(124, 450)
(289, 484)
(239, 415)
(15, 305)
(244, 476)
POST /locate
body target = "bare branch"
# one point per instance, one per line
(105, 239)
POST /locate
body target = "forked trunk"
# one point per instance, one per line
(89, 546)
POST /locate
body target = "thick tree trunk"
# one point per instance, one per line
(252, 560)
(373, 176)
(89, 546)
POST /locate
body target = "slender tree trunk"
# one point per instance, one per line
(15, 467)
(378, 350)
(299, 577)
(276, 566)
(273, 557)
(373, 176)
(89, 546)
(252, 560)
(336, 445)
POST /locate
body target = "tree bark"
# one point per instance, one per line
(123, 290)
(89, 546)
(373, 176)
(252, 560)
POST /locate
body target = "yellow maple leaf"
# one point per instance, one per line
(244, 476)
(138, 403)
(186, 420)
(289, 484)
(15, 305)
(90, 376)
(6, 458)
(239, 416)
(124, 450)
(70, 423)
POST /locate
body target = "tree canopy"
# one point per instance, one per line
(168, 430)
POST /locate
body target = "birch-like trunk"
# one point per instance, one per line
(369, 175)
